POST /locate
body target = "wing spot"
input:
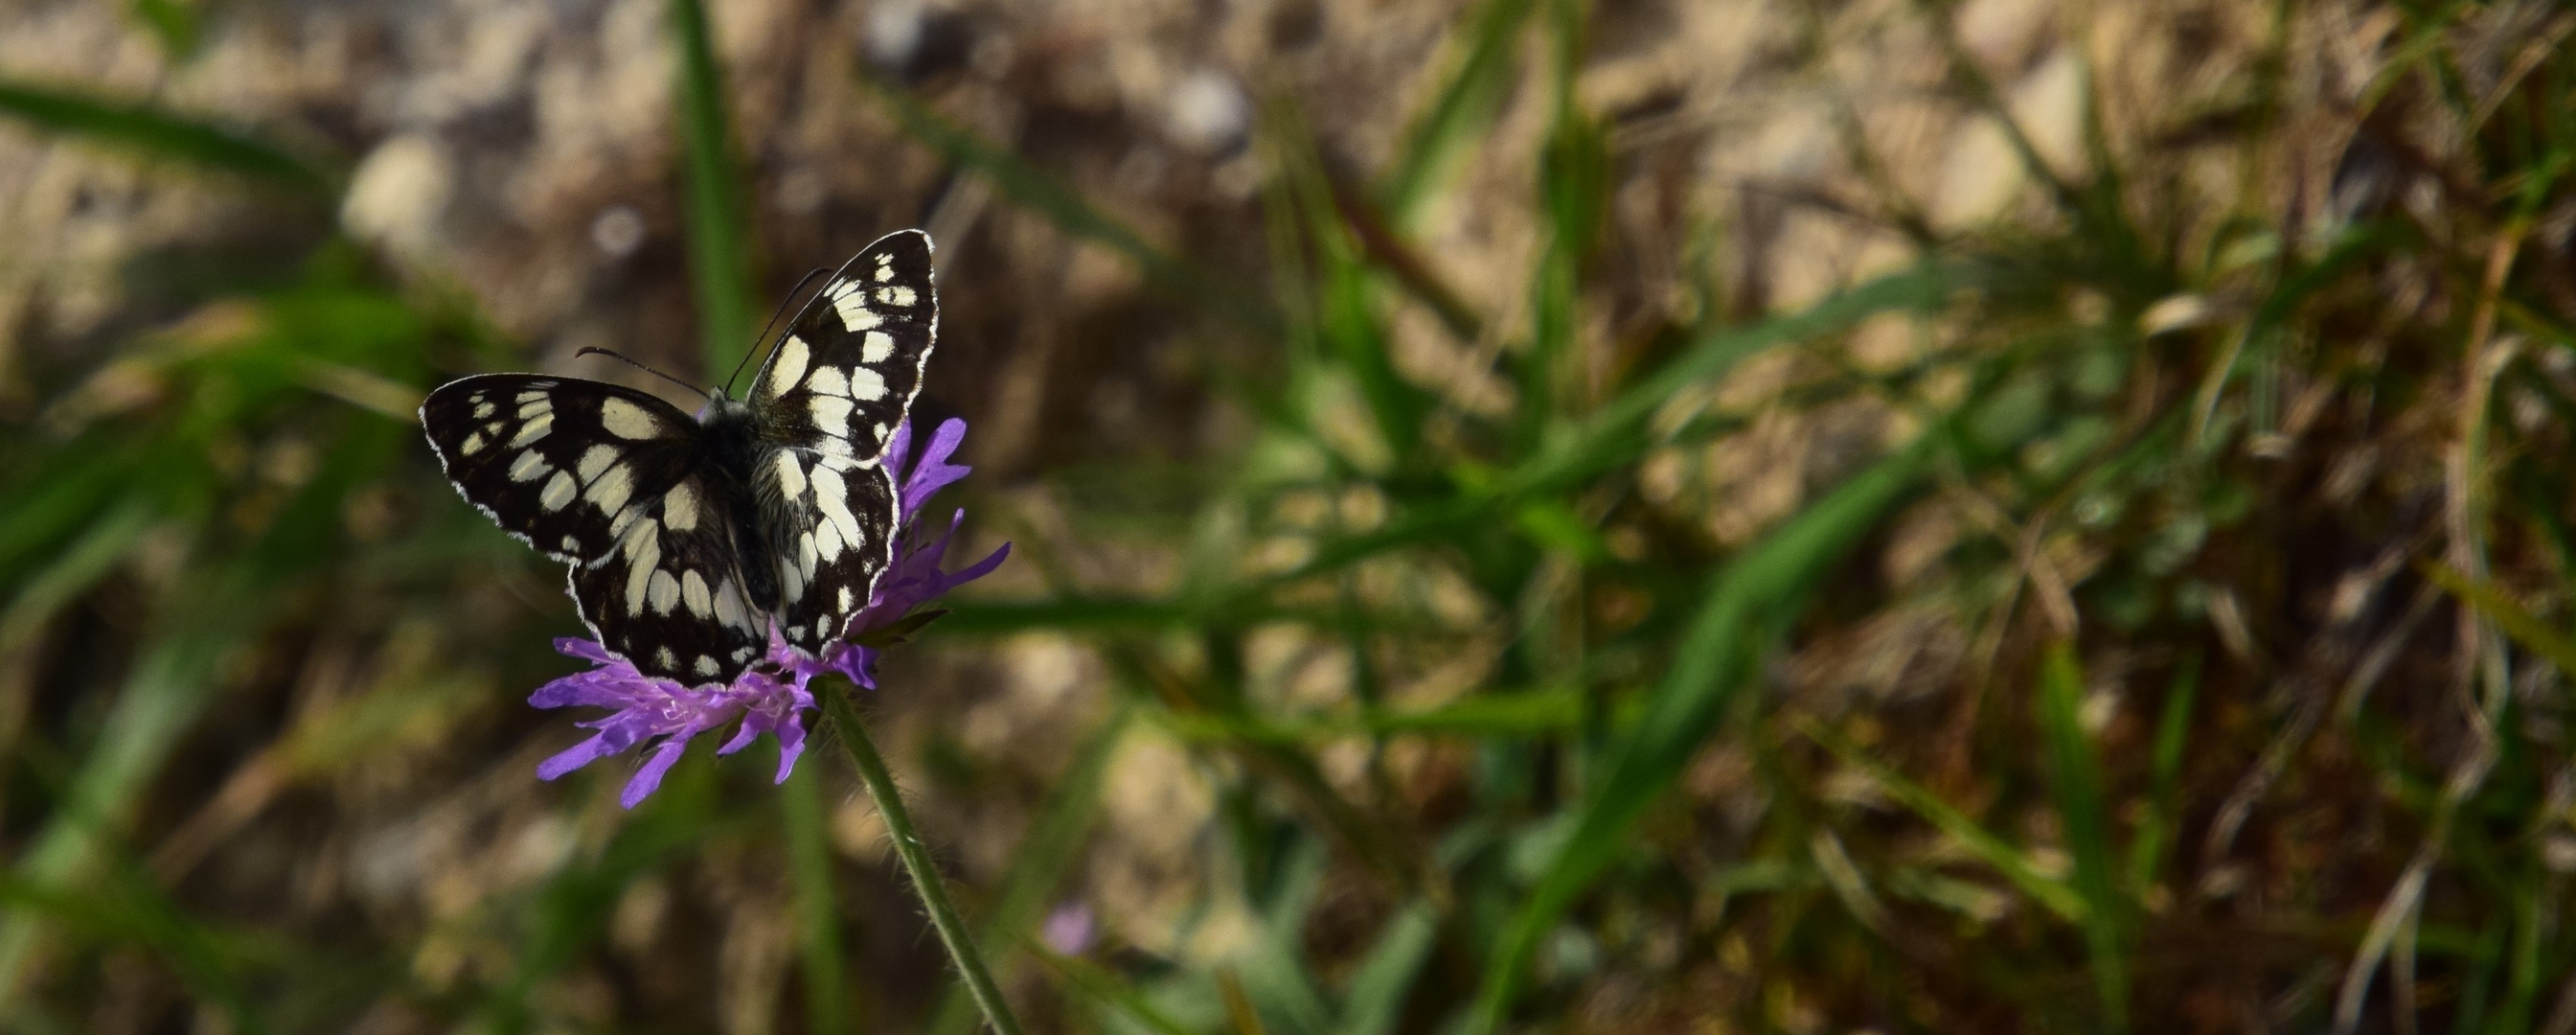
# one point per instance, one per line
(867, 385)
(610, 491)
(693, 592)
(707, 666)
(533, 430)
(791, 477)
(877, 347)
(791, 584)
(529, 467)
(827, 540)
(855, 313)
(532, 395)
(534, 410)
(483, 408)
(680, 508)
(571, 545)
(741, 654)
(557, 492)
(664, 592)
(847, 599)
(897, 296)
(828, 381)
(832, 413)
(789, 367)
(668, 660)
(807, 552)
(627, 420)
(594, 460)
(729, 608)
(473, 444)
(834, 497)
(643, 551)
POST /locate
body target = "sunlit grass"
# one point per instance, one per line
(2231, 692)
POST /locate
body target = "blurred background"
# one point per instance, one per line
(1635, 516)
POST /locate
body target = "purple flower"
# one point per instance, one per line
(1068, 929)
(770, 697)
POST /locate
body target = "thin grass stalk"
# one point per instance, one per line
(719, 230)
(818, 914)
(833, 693)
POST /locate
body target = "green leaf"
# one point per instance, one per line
(155, 132)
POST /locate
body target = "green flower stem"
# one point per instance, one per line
(835, 700)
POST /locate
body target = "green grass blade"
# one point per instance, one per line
(1746, 607)
(2173, 729)
(573, 910)
(818, 910)
(2076, 782)
(720, 245)
(1503, 714)
(1375, 1000)
(1615, 434)
(155, 132)
(169, 686)
(1042, 192)
(67, 575)
(174, 21)
(1461, 110)
(2524, 627)
(138, 913)
(1107, 989)
(2016, 865)
(1574, 183)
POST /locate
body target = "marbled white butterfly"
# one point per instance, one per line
(690, 538)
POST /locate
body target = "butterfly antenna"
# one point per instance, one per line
(587, 350)
(774, 314)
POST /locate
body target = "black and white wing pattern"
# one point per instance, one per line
(826, 402)
(612, 480)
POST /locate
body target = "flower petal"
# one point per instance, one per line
(649, 779)
(933, 472)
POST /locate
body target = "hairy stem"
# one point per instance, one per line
(835, 699)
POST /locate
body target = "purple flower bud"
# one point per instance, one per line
(770, 697)
(1068, 929)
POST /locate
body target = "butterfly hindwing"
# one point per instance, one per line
(843, 378)
(604, 477)
(669, 595)
(835, 539)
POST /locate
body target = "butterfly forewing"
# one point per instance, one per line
(836, 540)
(842, 379)
(830, 396)
(604, 477)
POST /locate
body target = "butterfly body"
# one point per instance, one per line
(691, 538)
